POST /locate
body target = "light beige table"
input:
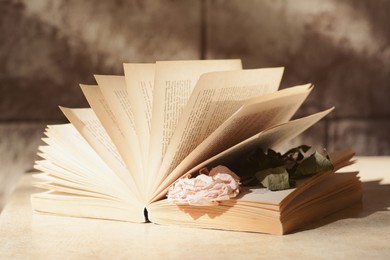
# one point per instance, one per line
(359, 232)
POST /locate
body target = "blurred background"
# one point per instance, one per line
(48, 47)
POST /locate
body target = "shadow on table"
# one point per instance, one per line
(376, 198)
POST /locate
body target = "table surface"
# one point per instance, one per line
(359, 232)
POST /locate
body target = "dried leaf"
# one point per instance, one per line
(315, 163)
(274, 178)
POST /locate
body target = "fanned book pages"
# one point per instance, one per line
(165, 121)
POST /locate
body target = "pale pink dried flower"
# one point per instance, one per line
(205, 190)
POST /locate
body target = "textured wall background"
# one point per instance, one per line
(48, 47)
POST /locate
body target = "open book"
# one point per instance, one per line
(117, 159)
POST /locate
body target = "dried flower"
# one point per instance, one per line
(205, 190)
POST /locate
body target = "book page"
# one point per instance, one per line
(115, 93)
(215, 98)
(89, 126)
(339, 160)
(67, 173)
(71, 153)
(273, 138)
(173, 85)
(68, 156)
(265, 196)
(99, 105)
(49, 182)
(250, 119)
(140, 81)
(108, 120)
(66, 204)
(321, 190)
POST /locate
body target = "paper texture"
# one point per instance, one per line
(216, 97)
(114, 90)
(140, 87)
(173, 85)
(88, 125)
